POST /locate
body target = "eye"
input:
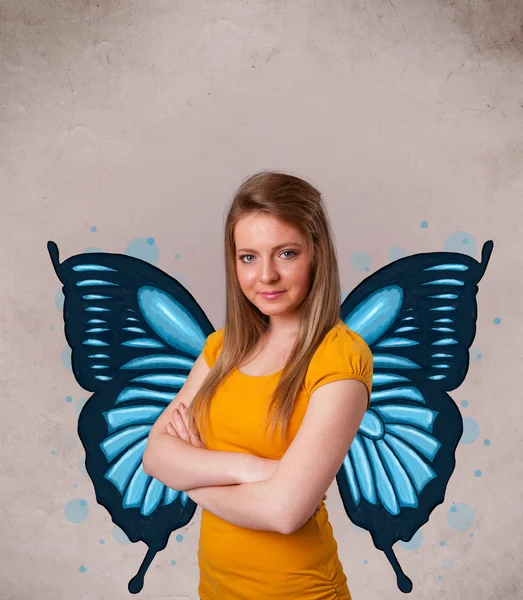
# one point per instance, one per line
(245, 256)
(291, 252)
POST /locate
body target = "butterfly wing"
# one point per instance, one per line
(418, 315)
(135, 333)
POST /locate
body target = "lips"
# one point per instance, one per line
(272, 295)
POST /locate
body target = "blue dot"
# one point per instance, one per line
(414, 542)
(68, 399)
(76, 511)
(470, 431)
(102, 542)
(479, 355)
(497, 321)
(82, 569)
(440, 577)
(53, 452)
(365, 562)
(471, 535)
(486, 442)
(478, 473)
(144, 249)
(396, 253)
(464, 403)
(75, 485)
(93, 228)
(120, 536)
(424, 224)
(173, 562)
(460, 516)
(442, 543)
(461, 241)
(361, 261)
(176, 256)
(51, 328)
(179, 538)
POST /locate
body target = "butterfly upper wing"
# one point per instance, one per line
(418, 315)
(135, 333)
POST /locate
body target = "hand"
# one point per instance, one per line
(181, 427)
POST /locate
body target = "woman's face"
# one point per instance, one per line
(273, 264)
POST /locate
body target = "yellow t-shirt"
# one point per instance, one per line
(237, 563)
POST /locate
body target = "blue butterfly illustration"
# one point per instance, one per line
(135, 333)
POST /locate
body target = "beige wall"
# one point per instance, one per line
(140, 119)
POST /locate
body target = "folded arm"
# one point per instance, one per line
(182, 466)
(286, 500)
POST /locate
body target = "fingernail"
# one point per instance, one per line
(182, 406)
(176, 412)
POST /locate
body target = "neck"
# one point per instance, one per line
(284, 325)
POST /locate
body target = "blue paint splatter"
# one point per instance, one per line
(68, 399)
(486, 442)
(93, 228)
(176, 256)
(51, 328)
(365, 562)
(173, 562)
(440, 577)
(76, 511)
(179, 538)
(65, 357)
(497, 321)
(80, 404)
(470, 431)
(461, 241)
(471, 535)
(460, 516)
(53, 452)
(415, 541)
(144, 249)
(442, 543)
(102, 542)
(396, 253)
(424, 224)
(82, 569)
(59, 300)
(75, 485)
(449, 563)
(475, 353)
(464, 403)
(81, 465)
(361, 261)
(120, 536)
(478, 473)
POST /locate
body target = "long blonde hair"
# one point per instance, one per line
(299, 204)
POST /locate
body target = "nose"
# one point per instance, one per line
(268, 272)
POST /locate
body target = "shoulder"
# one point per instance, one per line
(342, 354)
(213, 345)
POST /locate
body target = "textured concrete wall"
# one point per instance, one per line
(126, 126)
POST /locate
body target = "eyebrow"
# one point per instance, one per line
(275, 247)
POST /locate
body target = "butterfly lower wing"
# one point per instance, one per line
(418, 315)
(134, 333)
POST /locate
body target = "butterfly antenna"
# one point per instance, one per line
(404, 583)
(486, 251)
(136, 583)
(52, 248)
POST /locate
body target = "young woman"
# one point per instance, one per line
(278, 395)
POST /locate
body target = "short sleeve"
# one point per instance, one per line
(212, 347)
(343, 354)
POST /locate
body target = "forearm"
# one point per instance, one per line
(251, 505)
(182, 466)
